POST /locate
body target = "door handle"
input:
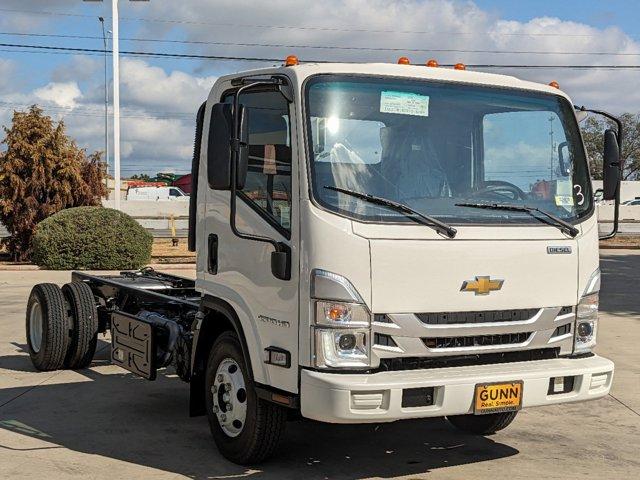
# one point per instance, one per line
(212, 262)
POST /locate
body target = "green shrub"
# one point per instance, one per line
(94, 238)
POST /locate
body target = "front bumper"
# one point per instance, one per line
(364, 398)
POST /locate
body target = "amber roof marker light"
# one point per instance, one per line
(404, 61)
(432, 63)
(291, 60)
(460, 66)
(554, 84)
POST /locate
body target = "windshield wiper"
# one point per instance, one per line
(564, 226)
(409, 212)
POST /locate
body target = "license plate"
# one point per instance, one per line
(497, 397)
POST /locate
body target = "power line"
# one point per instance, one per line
(87, 111)
(354, 29)
(279, 60)
(319, 47)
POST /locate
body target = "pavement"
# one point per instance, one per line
(104, 423)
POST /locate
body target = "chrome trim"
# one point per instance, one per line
(331, 286)
(408, 331)
(593, 284)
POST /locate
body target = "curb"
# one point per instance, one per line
(155, 266)
(19, 268)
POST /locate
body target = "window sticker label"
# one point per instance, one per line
(404, 103)
(564, 194)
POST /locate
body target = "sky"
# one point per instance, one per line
(159, 96)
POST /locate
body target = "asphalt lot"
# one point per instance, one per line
(105, 423)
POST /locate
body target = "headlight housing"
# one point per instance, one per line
(586, 323)
(341, 314)
(342, 348)
(341, 323)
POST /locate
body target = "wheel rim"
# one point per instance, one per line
(229, 397)
(35, 327)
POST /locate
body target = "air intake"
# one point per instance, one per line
(476, 340)
(488, 316)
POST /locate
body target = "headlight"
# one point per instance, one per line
(586, 323)
(342, 348)
(342, 325)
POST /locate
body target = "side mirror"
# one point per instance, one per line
(220, 147)
(281, 262)
(610, 166)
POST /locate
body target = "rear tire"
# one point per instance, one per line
(84, 325)
(256, 439)
(483, 424)
(47, 326)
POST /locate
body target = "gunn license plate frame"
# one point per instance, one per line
(509, 402)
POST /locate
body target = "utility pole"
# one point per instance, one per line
(116, 100)
(106, 97)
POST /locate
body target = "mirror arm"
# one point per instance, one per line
(616, 206)
(235, 148)
(608, 115)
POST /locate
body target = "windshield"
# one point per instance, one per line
(431, 145)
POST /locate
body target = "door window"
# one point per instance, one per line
(268, 185)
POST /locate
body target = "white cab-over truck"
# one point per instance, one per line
(375, 242)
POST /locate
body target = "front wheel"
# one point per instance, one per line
(482, 424)
(246, 429)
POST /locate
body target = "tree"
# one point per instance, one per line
(593, 133)
(142, 177)
(42, 172)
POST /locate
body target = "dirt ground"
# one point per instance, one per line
(164, 251)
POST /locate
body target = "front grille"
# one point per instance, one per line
(421, 363)
(562, 330)
(384, 340)
(488, 316)
(477, 340)
(565, 310)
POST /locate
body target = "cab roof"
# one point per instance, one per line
(304, 70)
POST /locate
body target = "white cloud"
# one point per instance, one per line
(159, 100)
(415, 24)
(149, 86)
(62, 94)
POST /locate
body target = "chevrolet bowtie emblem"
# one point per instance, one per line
(481, 285)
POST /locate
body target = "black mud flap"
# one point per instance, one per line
(132, 345)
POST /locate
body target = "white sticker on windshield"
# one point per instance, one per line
(404, 103)
(564, 194)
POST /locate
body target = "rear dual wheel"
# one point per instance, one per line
(84, 325)
(61, 326)
(47, 326)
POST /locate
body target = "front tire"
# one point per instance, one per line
(246, 429)
(482, 424)
(47, 327)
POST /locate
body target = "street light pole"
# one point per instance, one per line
(106, 97)
(116, 100)
(116, 96)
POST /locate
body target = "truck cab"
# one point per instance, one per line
(400, 241)
(375, 242)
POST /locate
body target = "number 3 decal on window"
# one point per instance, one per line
(579, 195)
